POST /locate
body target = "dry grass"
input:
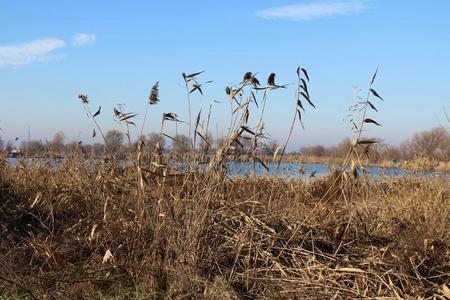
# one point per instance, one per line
(105, 229)
(203, 237)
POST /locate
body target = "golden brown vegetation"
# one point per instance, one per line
(75, 230)
(100, 228)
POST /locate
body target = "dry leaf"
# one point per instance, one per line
(107, 257)
(92, 235)
(445, 291)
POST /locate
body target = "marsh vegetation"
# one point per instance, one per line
(140, 230)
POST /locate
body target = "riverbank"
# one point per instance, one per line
(119, 232)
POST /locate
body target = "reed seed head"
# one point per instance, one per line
(271, 79)
(153, 98)
(83, 98)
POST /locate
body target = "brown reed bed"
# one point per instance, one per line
(76, 231)
(103, 229)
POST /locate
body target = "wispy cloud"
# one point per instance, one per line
(22, 54)
(315, 10)
(38, 50)
(83, 38)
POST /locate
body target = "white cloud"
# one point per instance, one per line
(38, 50)
(83, 38)
(22, 54)
(306, 12)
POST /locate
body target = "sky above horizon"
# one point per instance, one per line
(113, 51)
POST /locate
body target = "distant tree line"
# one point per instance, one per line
(115, 143)
(433, 144)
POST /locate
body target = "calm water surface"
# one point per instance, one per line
(307, 171)
(286, 170)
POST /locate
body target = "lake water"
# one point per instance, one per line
(285, 170)
(308, 171)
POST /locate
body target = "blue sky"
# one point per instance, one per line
(50, 51)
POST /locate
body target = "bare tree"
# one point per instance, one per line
(315, 151)
(341, 149)
(114, 140)
(433, 144)
(57, 142)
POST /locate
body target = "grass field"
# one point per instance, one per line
(91, 232)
